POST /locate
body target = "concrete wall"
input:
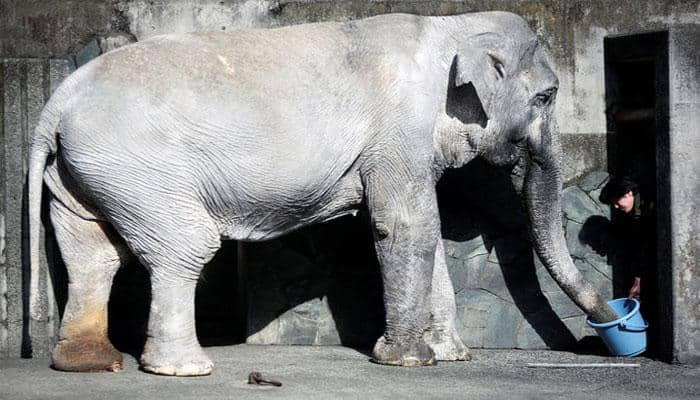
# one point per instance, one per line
(25, 85)
(573, 32)
(684, 147)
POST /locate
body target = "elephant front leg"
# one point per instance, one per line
(442, 335)
(405, 232)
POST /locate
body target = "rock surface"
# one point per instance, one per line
(322, 285)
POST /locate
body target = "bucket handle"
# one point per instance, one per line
(633, 327)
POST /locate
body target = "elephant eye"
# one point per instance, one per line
(545, 98)
(500, 69)
(498, 65)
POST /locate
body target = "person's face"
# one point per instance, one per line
(625, 203)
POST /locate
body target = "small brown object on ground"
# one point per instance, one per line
(256, 378)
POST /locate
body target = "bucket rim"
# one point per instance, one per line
(617, 321)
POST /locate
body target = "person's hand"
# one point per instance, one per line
(635, 289)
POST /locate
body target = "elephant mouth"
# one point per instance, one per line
(518, 170)
(517, 175)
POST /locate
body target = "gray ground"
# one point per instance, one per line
(338, 373)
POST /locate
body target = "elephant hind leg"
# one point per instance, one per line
(185, 241)
(92, 253)
(172, 347)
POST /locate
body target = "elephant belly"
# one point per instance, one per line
(271, 225)
(276, 212)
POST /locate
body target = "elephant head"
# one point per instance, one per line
(500, 107)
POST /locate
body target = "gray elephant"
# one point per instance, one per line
(163, 148)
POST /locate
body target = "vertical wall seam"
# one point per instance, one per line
(26, 346)
(4, 351)
(24, 112)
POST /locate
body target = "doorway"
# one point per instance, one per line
(637, 109)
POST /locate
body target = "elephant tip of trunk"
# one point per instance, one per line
(602, 314)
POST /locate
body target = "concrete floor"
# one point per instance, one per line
(343, 373)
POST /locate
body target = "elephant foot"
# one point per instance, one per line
(447, 347)
(86, 355)
(168, 359)
(403, 353)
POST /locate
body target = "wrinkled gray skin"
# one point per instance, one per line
(163, 148)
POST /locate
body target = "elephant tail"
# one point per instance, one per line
(43, 145)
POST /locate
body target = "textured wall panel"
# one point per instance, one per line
(25, 85)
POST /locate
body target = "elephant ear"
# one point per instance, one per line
(478, 63)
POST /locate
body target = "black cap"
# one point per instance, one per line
(616, 188)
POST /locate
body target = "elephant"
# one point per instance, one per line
(161, 149)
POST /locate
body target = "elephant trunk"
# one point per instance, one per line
(541, 191)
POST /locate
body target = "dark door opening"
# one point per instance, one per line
(636, 82)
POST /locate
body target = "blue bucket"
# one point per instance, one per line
(625, 336)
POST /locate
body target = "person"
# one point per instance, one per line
(622, 193)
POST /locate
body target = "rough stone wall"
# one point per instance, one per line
(317, 286)
(506, 298)
(310, 288)
(572, 31)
